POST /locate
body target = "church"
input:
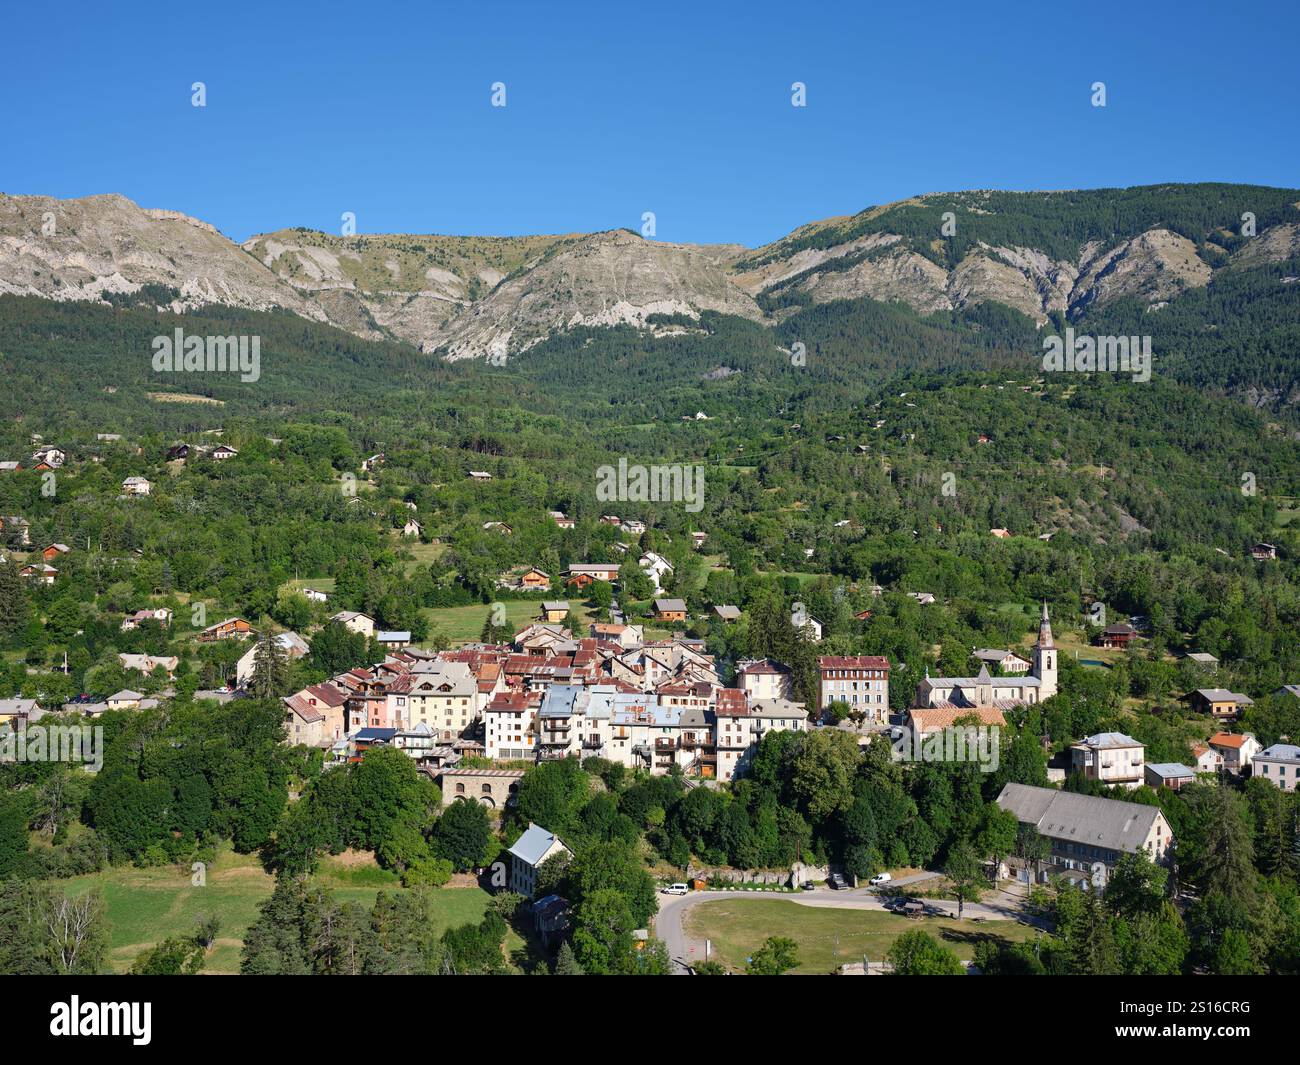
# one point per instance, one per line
(985, 690)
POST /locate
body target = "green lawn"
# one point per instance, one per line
(145, 906)
(828, 937)
(464, 624)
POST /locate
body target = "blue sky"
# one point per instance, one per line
(383, 109)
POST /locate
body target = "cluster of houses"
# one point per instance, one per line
(645, 704)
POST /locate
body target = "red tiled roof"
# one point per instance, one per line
(853, 662)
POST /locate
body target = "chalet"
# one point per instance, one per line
(553, 611)
(54, 551)
(355, 621)
(22, 711)
(670, 610)
(372, 463)
(727, 612)
(1220, 703)
(1263, 552)
(592, 571)
(1117, 637)
(10, 467)
(1170, 775)
(161, 614)
(632, 526)
(315, 595)
(923, 598)
(812, 628)
(561, 519)
(1289, 689)
(1238, 750)
(1001, 534)
(126, 699)
(479, 475)
(178, 452)
(499, 526)
(148, 663)
(610, 519)
(222, 452)
(230, 629)
(39, 572)
(412, 528)
(1087, 835)
(1280, 764)
(1112, 758)
(1202, 659)
(534, 580)
(532, 849)
(136, 486)
(48, 458)
(697, 540)
(393, 640)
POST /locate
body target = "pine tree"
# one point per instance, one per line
(270, 677)
(13, 602)
(566, 964)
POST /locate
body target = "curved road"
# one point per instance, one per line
(686, 951)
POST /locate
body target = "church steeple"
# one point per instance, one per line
(1044, 629)
(1045, 657)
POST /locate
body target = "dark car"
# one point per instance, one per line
(808, 885)
(836, 881)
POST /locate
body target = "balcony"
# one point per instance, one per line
(665, 746)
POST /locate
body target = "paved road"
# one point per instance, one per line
(686, 951)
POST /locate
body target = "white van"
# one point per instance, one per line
(881, 878)
(676, 889)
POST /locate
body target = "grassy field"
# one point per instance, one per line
(145, 906)
(464, 624)
(828, 937)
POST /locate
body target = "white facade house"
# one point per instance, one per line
(530, 851)
(1112, 758)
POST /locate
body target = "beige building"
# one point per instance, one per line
(764, 679)
(859, 681)
(443, 695)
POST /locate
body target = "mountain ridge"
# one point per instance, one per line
(1043, 254)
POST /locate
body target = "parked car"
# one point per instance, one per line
(808, 885)
(836, 881)
(676, 889)
(881, 878)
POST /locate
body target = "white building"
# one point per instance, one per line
(528, 854)
(1112, 758)
(1280, 764)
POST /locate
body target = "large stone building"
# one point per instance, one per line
(1088, 835)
